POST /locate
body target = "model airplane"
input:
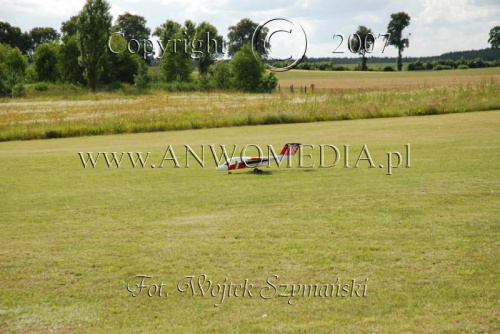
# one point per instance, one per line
(287, 152)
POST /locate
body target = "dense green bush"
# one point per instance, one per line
(71, 70)
(205, 82)
(246, 70)
(46, 61)
(176, 65)
(440, 67)
(142, 78)
(13, 65)
(222, 74)
(18, 90)
(30, 75)
(268, 83)
(121, 66)
(41, 87)
(114, 86)
(340, 68)
(444, 64)
(416, 66)
(477, 63)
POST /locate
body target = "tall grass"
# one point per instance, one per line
(161, 111)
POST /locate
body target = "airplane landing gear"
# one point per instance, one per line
(257, 171)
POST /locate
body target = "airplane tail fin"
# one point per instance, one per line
(290, 149)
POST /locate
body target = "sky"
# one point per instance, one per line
(436, 27)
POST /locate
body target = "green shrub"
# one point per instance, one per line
(440, 67)
(141, 79)
(122, 67)
(206, 83)
(71, 70)
(18, 90)
(175, 66)
(222, 74)
(477, 63)
(416, 66)
(30, 75)
(462, 67)
(41, 87)
(13, 65)
(388, 69)
(246, 69)
(114, 86)
(46, 61)
(268, 83)
(339, 68)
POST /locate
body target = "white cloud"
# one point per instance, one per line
(35, 8)
(456, 11)
(437, 26)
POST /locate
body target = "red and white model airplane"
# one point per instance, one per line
(287, 152)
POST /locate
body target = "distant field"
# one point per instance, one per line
(352, 80)
(427, 238)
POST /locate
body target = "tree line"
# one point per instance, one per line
(489, 55)
(79, 54)
(414, 64)
(400, 21)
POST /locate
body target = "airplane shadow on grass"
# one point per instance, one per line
(261, 173)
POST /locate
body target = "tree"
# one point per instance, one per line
(141, 79)
(176, 62)
(399, 21)
(176, 58)
(46, 61)
(205, 33)
(494, 39)
(71, 70)
(133, 27)
(94, 24)
(121, 66)
(40, 35)
(246, 69)
(167, 30)
(242, 33)
(14, 37)
(70, 27)
(222, 74)
(11, 58)
(189, 29)
(13, 65)
(364, 43)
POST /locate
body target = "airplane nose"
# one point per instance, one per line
(222, 167)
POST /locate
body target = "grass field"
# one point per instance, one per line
(427, 237)
(71, 112)
(349, 80)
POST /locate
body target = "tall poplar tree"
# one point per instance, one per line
(94, 25)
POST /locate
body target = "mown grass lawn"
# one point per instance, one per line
(427, 237)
